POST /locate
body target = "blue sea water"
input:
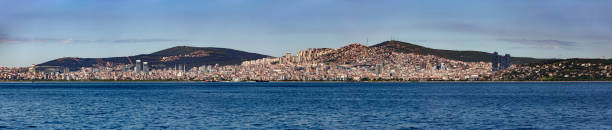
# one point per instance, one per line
(463, 105)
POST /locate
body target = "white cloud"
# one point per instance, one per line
(543, 44)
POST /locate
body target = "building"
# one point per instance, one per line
(138, 66)
(494, 61)
(145, 67)
(507, 62)
(288, 57)
(32, 68)
(500, 62)
(378, 69)
(442, 66)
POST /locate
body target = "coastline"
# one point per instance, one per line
(179, 81)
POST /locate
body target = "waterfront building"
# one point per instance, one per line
(145, 67)
(32, 69)
(495, 61)
(499, 62)
(507, 62)
(138, 66)
(502, 63)
(379, 69)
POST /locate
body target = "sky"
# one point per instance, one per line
(36, 31)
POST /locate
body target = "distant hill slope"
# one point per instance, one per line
(573, 61)
(576, 69)
(179, 55)
(467, 56)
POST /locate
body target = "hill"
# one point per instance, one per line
(179, 55)
(364, 56)
(467, 56)
(573, 61)
(562, 70)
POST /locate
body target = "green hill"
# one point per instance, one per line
(467, 56)
(179, 55)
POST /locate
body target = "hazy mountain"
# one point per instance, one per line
(179, 55)
(468, 56)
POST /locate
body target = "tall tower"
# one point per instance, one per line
(379, 69)
(138, 66)
(502, 63)
(494, 61)
(145, 67)
(507, 63)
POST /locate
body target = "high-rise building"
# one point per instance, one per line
(442, 66)
(138, 66)
(288, 57)
(145, 67)
(494, 61)
(65, 70)
(502, 63)
(507, 62)
(32, 68)
(379, 69)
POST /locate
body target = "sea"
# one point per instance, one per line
(306, 105)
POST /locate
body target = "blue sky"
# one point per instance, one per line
(35, 31)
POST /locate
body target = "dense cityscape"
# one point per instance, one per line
(354, 62)
(566, 70)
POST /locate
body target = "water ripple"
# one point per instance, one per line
(306, 106)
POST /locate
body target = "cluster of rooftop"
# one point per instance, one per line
(352, 62)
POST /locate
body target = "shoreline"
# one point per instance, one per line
(177, 81)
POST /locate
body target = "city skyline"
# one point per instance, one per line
(33, 32)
